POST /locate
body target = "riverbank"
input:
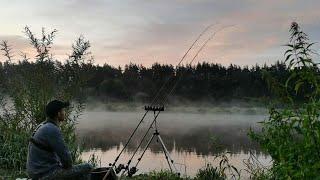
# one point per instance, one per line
(242, 107)
(7, 174)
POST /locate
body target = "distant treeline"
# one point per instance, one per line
(204, 81)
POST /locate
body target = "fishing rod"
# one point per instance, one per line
(134, 169)
(194, 57)
(155, 98)
(121, 166)
(181, 60)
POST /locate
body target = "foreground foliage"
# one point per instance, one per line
(30, 87)
(207, 173)
(291, 135)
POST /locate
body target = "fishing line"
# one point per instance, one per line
(181, 60)
(166, 97)
(195, 56)
(155, 98)
(157, 95)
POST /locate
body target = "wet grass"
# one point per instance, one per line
(12, 174)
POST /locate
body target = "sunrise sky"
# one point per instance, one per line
(148, 31)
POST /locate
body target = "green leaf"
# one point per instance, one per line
(288, 57)
(287, 51)
(289, 45)
(310, 45)
(293, 75)
(297, 86)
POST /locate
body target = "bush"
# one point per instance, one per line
(209, 172)
(30, 86)
(161, 175)
(291, 135)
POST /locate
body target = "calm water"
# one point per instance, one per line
(193, 139)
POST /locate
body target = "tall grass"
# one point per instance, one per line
(291, 135)
(30, 87)
(209, 172)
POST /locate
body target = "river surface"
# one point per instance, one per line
(193, 139)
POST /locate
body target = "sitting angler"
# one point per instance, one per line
(48, 155)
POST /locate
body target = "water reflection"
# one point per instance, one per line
(192, 139)
(204, 135)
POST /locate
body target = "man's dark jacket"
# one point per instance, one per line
(41, 161)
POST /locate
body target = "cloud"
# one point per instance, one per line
(145, 31)
(20, 45)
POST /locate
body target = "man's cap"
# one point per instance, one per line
(53, 107)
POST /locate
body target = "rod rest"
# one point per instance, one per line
(154, 108)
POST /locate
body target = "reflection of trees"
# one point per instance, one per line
(202, 140)
(215, 140)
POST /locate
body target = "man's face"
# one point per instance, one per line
(61, 115)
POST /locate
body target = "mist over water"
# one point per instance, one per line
(192, 137)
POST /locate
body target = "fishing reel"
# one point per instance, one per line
(119, 168)
(132, 171)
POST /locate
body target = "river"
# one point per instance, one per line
(193, 139)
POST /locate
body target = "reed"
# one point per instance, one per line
(30, 87)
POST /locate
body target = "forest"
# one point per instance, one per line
(204, 81)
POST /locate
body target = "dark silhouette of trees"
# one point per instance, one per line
(203, 81)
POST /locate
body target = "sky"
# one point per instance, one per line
(149, 31)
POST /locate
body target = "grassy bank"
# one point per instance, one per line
(12, 174)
